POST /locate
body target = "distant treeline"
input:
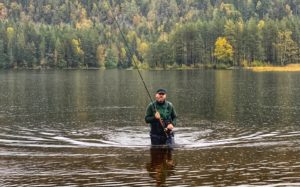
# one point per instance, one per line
(161, 33)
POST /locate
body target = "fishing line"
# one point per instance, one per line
(129, 50)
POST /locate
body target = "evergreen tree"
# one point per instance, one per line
(287, 49)
(68, 33)
(3, 56)
(111, 58)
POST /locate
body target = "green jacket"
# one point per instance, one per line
(167, 113)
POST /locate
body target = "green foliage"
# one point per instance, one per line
(161, 34)
(257, 63)
(160, 55)
(222, 66)
(287, 49)
(3, 56)
(111, 59)
(244, 63)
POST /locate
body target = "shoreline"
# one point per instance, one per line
(287, 68)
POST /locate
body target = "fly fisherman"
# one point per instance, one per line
(162, 117)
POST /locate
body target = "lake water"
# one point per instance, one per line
(86, 128)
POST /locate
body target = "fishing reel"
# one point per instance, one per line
(168, 131)
(166, 123)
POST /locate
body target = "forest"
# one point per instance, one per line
(159, 33)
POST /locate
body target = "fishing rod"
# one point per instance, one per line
(129, 50)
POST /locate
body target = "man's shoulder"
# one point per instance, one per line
(169, 104)
(153, 104)
(150, 105)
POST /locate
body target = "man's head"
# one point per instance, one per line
(161, 95)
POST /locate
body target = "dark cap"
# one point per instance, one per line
(161, 90)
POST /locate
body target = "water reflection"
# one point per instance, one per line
(161, 165)
(234, 128)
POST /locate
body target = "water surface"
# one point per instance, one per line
(86, 128)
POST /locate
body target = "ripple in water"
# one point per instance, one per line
(119, 156)
(219, 135)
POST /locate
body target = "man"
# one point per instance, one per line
(162, 117)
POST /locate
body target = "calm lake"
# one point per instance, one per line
(86, 128)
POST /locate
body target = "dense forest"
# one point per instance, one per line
(160, 33)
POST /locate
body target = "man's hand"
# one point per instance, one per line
(170, 126)
(157, 115)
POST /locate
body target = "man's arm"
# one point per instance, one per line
(173, 115)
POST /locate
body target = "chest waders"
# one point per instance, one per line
(168, 137)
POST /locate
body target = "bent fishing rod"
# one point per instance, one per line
(129, 50)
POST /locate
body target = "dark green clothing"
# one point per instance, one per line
(167, 113)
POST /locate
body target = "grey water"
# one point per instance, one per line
(86, 128)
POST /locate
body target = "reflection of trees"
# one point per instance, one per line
(224, 95)
(161, 165)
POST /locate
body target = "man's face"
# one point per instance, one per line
(160, 97)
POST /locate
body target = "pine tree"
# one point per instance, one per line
(111, 58)
(3, 56)
(287, 49)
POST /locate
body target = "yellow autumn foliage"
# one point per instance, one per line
(10, 32)
(131, 35)
(84, 24)
(123, 53)
(75, 42)
(76, 47)
(223, 50)
(3, 11)
(164, 37)
(261, 24)
(143, 48)
(101, 55)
